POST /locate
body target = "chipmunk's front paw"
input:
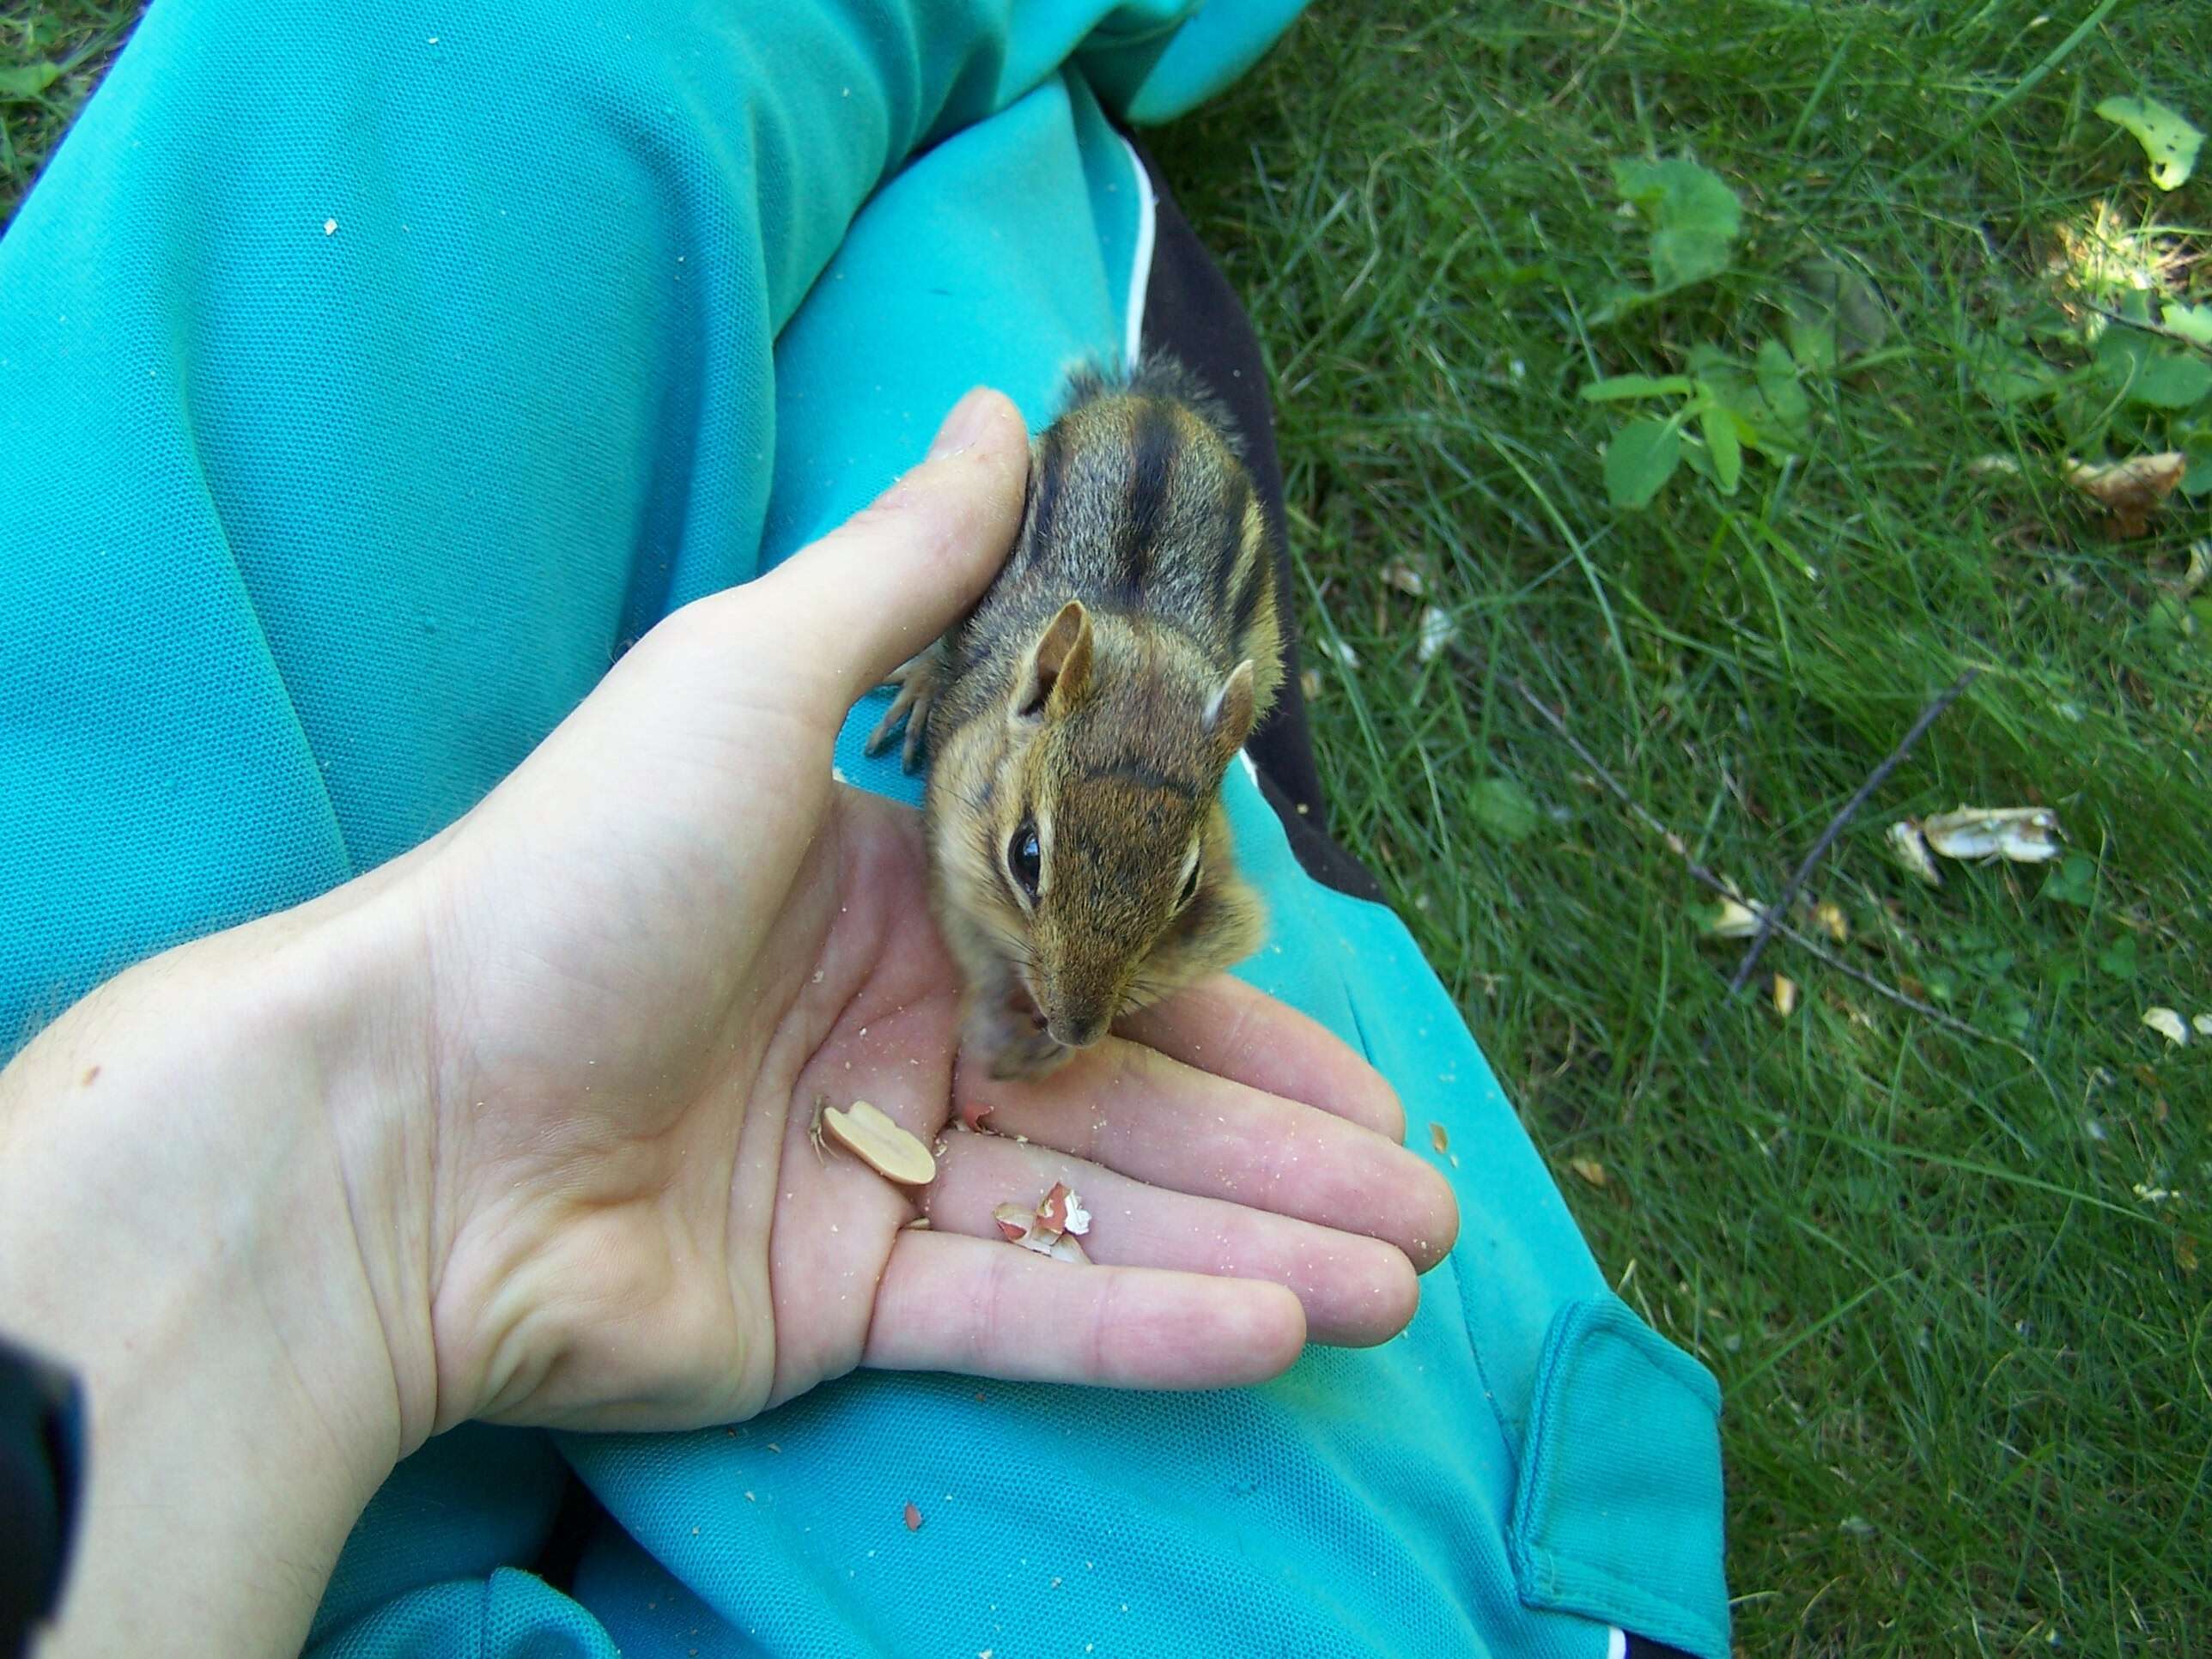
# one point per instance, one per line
(919, 680)
(1018, 1046)
(1030, 1058)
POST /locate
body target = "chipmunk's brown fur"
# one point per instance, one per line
(1092, 700)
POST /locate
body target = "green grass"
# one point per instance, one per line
(1967, 1357)
(77, 38)
(1966, 1364)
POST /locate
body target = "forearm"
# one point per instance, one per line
(175, 1224)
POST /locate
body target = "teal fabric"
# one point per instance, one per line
(1614, 1406)
(369, 376)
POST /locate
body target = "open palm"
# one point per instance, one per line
(669, 936)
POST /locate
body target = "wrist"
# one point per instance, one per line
(207, 1210)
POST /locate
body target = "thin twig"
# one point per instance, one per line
(1811, 947)
(2145, 326)
(1773, 914)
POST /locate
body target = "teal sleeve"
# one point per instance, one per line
(370, 376)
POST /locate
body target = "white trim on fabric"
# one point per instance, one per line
(1616, 1645)
(1141, 275)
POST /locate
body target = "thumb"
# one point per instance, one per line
(852, 607)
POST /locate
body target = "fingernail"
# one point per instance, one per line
(965, 426)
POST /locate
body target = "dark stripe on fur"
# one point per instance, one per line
(1250, 586)
(1152, 469)
(1145, 775)
(1232, 545)
(1044, 488)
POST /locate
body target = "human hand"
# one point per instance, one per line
(651, 951)
(517, 1125)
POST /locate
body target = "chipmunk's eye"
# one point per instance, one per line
(1189, 886)
(1025, 860)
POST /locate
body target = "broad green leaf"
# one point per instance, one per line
(1719, 427)
(1777, 384)
(2169, 623)
(1811, 342)
(1502, 807)
(1693, 216)
(2072, 881)
(2121, 354)
(2007, 374)
(1756, 431)
(2191, 323)
(1834, 295)
(2167, 137)
(2171, 382)
(1682, 259)
(2197, 480)
(27, 80)
(1621, 387)
(2118, 959)
(1639, 460)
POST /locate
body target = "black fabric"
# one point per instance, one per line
(40, 1470)
(1192, 313)
(1640, 1648)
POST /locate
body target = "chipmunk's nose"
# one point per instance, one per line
(1079, 1031)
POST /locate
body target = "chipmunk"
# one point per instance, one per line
(1079, 719)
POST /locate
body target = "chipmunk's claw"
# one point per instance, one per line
(919, 680)
(1019, 1047)
(1030, 1058)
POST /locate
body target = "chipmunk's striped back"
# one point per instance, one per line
(1081, 719)
(1139, 504)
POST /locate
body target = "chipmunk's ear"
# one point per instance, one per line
(1229, 712)
(1058, 665)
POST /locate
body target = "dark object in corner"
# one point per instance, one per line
(41, 1471)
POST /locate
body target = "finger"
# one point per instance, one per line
(851, 608)
(1225, 1027)
(1356, 1291)
(952, 1303)
(1133, 1109)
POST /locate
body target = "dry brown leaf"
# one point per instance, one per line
(2130, 490)
(1439, 1138)
(2025, 835)
(1590, 1169)
(1730, 918)
(2184, 1253)
(1402, 576)
(1786, 995)
(1438, 629)
(1911, 850)
(2199, 571)
(2167, 1024)
(1829, 917)
(1309, 682)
